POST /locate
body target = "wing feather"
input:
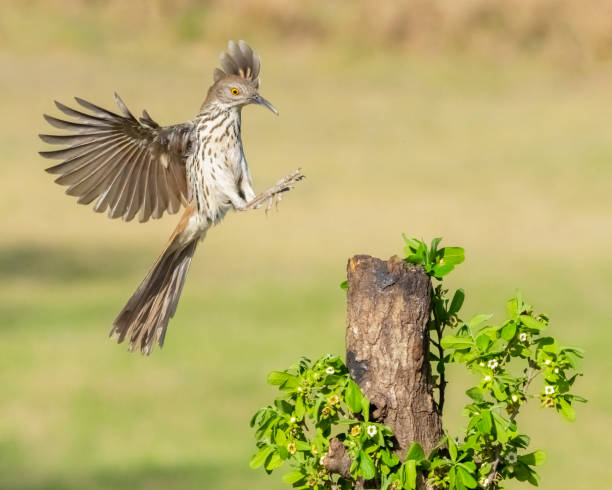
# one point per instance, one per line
(136, 189)
(127, 165)
(75, 169)
(145, 204)
(95, 178)
(121, 205)
(108, 185)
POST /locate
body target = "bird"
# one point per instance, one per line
(133, 166)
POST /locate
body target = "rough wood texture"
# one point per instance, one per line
(387, 346)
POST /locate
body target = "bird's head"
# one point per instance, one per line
(237, 81)
(234, 91)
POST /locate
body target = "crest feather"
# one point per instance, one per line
(239, 60)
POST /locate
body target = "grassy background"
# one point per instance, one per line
(498, 145)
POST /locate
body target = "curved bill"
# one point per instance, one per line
(261, 101)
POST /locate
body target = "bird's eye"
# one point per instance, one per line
(235, 91)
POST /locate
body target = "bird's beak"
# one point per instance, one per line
(261, 101)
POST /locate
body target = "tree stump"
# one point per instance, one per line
(387, 347)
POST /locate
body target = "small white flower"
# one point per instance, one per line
(330, 370)
(481, 364)
(556, 370)
(511, 458)
(547, 362)
(372, 430)
(514, 398)
(484, 482)
(549, 390)
(487, 378)
(523, 337)
(322, 460)
(492, 364)
(292, 420)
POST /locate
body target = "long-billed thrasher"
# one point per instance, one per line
(135, 166)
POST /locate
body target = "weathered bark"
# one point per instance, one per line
(337, 459)
(387, 347)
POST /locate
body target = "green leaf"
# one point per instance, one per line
(439, 271)
(389, 458)
(299, 409)
(454, 342)
(566, 410)
(451, 478)
(457, 302)
(500, 428)
(282, 451)
(482, 342)
(466, 477)
(257, 416)
(280, 437)
(536, 458)
(459, 483)
(411, 474)
(260, 456)
(522, 440)
(415, 452)
(475, 393)
(366, 466)
(293, 477)
(365, 408)
(452, 448)
(273, 461)
(353, 397)
(485, 424)
(452, 255)
(512, 308)
(302, 446)
(284, 380)
(478, 319)
(416, 251)
(532, 477)
(498, 391)
(531, 322)
(521, 471)
(433, 248)
(508, 331)
(388, 482)
(344, 285)
(284, 406)
(412, 243)
(276, 378)
(578, 398)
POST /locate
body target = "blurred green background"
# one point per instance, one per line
(487, 123)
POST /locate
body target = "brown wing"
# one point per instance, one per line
(125, 164)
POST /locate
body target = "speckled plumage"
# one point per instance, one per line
(135, 167)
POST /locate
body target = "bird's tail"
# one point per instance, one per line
(144, 319)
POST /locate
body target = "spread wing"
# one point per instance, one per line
(130, 166)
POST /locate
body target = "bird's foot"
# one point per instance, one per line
(274, 194)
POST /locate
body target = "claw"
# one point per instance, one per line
(273, 196)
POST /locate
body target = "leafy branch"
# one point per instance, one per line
(437, 263)
(321, 425)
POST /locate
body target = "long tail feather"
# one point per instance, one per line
(145, 317)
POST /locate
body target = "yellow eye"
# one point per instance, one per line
(235, 91)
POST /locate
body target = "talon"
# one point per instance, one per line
(273, 195)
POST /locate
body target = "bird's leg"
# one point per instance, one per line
(274, 194)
